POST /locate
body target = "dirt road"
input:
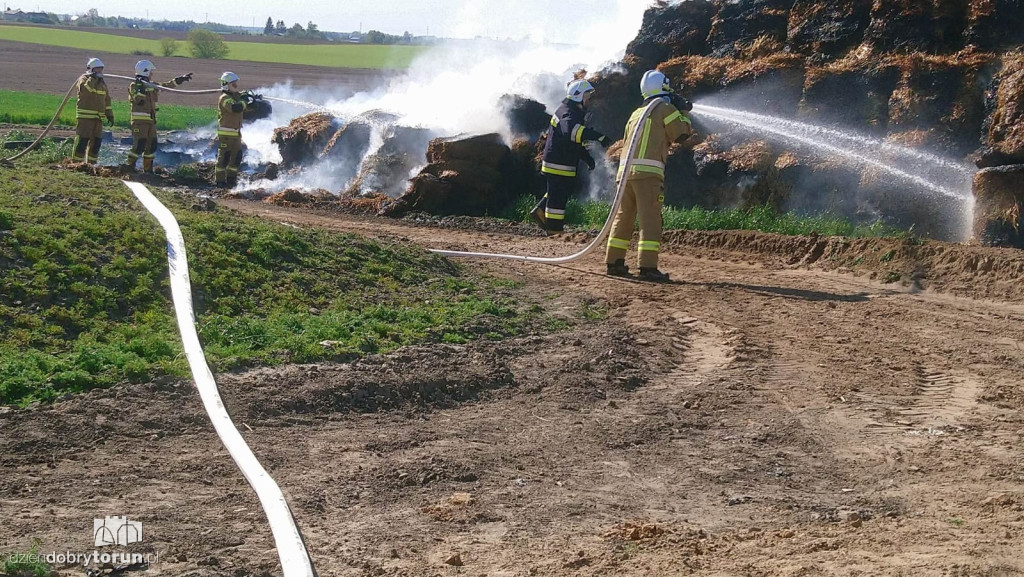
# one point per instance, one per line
(751, 418)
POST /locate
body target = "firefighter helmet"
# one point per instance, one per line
(654, 83)
(144, 68)
(577, 89)
(93, 63)
(228, 78)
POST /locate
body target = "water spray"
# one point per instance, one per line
(955, 178)
(633, 142)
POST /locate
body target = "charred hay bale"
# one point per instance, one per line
(826, 30)
(1004, 136)
(995, 24)
(998, 197)
(737, 23)
(295, 197)
(457, 187)
(349, 143)
(485, 150)
(526, 117)
(387, 170)
(304, 137)
(911, 25)
(853, 97)
(616, 96)
(741, 176)
(671, 30)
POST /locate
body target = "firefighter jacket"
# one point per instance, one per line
(144, 98)
(93, 97)
(665, 125)
(229, 114)
(564, 147)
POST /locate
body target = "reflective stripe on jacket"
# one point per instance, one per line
(93, 97)
(144, 98)
(665, 125)
(229, 122)
(566, 135)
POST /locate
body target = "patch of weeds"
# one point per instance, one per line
(186, 171)
(26, 564)
(593, 311)
(891, 277)
(888, 256)
(956, 521)
(857, 260)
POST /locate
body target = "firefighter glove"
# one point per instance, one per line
(589, 161)
(681, 103)
(183, 78)
(605, 141)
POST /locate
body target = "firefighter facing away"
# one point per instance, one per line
(645, 189)
(563, 151)
(230, 111)
(143, 94)
(93, 105)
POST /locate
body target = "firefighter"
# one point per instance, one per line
(143, 94)
(93, 105)
(230, 110)
(645, 189)
(563, 151)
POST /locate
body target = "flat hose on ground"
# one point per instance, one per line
(633, 141)
(45, 130)
(291, 548)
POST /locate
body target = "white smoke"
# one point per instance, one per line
(454, 88)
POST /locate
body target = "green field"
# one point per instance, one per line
(332, 55)
(84, 294)
(38, 109)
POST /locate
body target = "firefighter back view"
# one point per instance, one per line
(93, 105)
(645, 188)
(230, 113)
(143, 94)
(563, 151)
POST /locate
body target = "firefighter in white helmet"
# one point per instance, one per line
(230, 112)
(143, 94)
(645, 184)
(93, 105)
(563, 151)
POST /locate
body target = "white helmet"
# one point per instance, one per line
(576, 89)
(144, 68)
(654, 83)
(228, 78)
(93, 63)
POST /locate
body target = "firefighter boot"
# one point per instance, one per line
(537, 215)
(618, 268)
(147, 165)
(653, 274)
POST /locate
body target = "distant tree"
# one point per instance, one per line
(269, 28)
(375, 37)
(168, 46)
(312, 28)
(280, 28)
(407, 38)
(206, 44)
(296, 30)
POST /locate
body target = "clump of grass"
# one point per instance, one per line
(84, 294)
(591, 214)
(15, 566)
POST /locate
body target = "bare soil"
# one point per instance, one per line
(53, 69)
(773, 411)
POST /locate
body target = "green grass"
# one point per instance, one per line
(84, 294)
(14, 566)
(330, 55)
(591, 214)
(36, 108)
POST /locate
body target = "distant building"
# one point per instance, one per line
(16, 15)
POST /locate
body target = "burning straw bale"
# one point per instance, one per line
(1005, 136)
(294, 197)
(304, 137)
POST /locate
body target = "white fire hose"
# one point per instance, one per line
(291, 549)
(633, 141)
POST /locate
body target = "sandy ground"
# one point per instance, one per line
(761, 415)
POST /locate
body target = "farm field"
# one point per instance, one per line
(331, 55)
(21, 62)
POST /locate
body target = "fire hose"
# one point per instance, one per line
(616, 201)
(291, 548)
